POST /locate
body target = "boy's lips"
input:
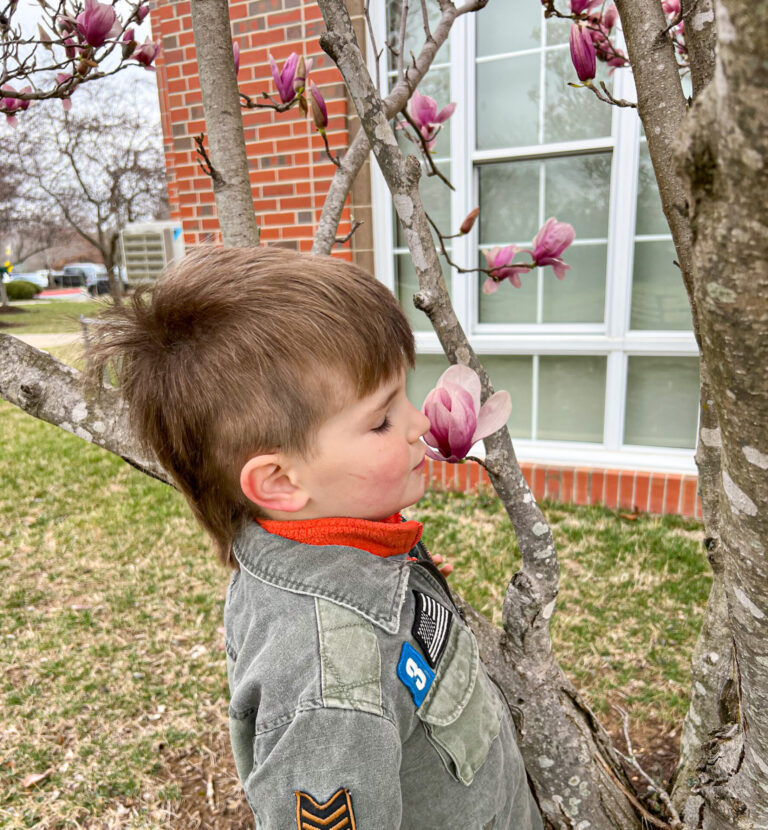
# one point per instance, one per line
(420, 465)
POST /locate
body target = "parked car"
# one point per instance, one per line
(38, 278)
(94, 277)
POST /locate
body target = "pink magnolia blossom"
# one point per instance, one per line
(319, 109)
(61, 79)
(142, 12)
(129, 44)
(456, 418)
(423, 110)
(583, 52)
(671, 7)
(13, 105)
(499, 262)
(303, 68)
(146, 54)
(236, 51)
(551, 240)
(97, 23)
(600, 25)
(581, 6)
(284, 78)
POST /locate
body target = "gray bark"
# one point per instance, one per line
(224, 123)
(575, 774)
(726, 176)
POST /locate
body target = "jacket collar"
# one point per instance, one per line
(373, 587)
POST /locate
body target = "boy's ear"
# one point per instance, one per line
(265, 481)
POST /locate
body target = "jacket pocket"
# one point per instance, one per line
(461, 712)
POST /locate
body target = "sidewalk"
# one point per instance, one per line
(46, 341)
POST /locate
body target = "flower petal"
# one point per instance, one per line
(445, 113)
(493, 414)
(490, 286)
(464, 378)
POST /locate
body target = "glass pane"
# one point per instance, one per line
(508, 27)
(414, 30)
(577, 191)
(437, 202)
(571, 113)
(515, 374)
(650, 218)
(508, 304)
(580, 297)
(558, 30)
(508, 102)
(408, 284)
(571, 398)
(423, 378)
(509, 202)
(659, 300)
(662, 401)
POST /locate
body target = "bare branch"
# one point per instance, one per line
(340, 240)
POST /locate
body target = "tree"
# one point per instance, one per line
(96, 166)
(709, 156)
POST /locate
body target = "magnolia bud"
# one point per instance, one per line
(468, 223)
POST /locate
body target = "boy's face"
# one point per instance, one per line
(368, 461)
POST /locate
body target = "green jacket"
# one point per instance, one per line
(358, 699)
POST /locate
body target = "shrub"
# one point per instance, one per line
(21, 290)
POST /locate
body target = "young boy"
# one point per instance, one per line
(271, 385)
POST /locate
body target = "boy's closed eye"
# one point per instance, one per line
(384, 425)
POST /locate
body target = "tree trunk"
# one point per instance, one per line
(224, 122)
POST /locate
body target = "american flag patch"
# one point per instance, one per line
(431, 627)
(335, 814)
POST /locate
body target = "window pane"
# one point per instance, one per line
(570, 113)
(650, 218)
(407, 285)
(437, 202)
(571, 398)
(508, 304)
(662, 401)
(580, 297)
(414, 30)
(558, 30)
(659, 300)
(508, 27)
(515, 374)
(577, 191)
(509, 202)
(508, 102)
(423, 378)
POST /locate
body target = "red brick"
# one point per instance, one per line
(177, 86)
(611, 497)
(596, 487)
(552, 484)
(281, 19)
(672, 497)
(566, 486)
(656, 496)
(642, 488)
(581, 494)
(626, 488)
(689, 497)
(473, 475)
(538, 484)
(527, 471)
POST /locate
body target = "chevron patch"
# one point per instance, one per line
(335, 814)
(431, 627)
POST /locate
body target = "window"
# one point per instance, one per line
(602, 366)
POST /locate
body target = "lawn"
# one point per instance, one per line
(113, 680)
(54, 316)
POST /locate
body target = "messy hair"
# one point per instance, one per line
(242, 351)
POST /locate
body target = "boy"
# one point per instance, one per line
(272, 386)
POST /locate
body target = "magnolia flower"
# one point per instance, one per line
(142, 12)
(13, 105)
(129, 44)
(61, 79)
(600, 26)
(284, 78)
(583, 52)
(319, 110)
(236, 51)
(499, 260)
(580, 6)
(469, 220)
(303, 68)
(551, 240)
(671, 7)
(97, 23)
(456, 419)
(423, 110)
(146, 54)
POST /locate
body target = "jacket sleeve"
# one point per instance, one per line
(337, 769)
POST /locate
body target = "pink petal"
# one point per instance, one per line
(490, 286)
(423, 108)
(464, 378)
(559, 267)
(493, 414)
(444, 114)
(435, 456)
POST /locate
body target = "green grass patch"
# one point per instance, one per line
(54, 316)
(111, 602)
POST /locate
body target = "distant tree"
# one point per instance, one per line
(94, 167)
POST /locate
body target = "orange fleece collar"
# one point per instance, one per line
(389, 537)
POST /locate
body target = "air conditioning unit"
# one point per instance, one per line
(149, 248)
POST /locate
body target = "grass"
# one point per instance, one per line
(56, 316)
(112, 666)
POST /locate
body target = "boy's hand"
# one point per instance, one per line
(445, 567)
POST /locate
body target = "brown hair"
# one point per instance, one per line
(241, 351)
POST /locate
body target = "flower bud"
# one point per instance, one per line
(468, 223)
(319, 109)
(582, 53)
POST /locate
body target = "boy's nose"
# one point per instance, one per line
(419, 426)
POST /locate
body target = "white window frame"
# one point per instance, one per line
(612, 338)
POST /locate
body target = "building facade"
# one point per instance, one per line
(602, 367)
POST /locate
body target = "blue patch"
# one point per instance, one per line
(415, 673)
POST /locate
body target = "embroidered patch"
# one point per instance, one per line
(431, 627)
(415, 673)
(335, 814)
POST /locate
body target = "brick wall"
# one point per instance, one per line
(289, 169)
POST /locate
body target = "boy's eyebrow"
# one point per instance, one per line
(385, 402)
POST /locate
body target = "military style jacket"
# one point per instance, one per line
(358, 700)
